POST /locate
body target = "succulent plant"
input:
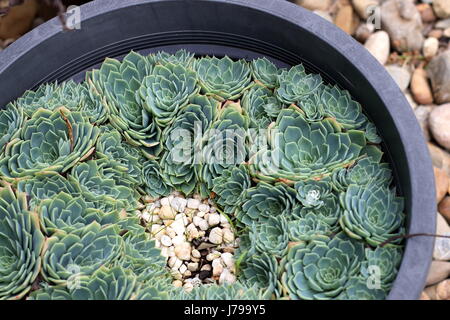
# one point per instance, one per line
(80, 252)
(366, 171)
(157, 289)
(313, 107)
(50, 142)
(308, 228)
(68, 213)
(154, 184)
(236, 291)
(231, 187)
(265, 72)
(181, 159)
(271, 237)
(312, 193)
(263, 271)
(21, 243)
(295, 85)
(167, 89)
(101, 185)
(265, 201)
(327, 214)
(117, 83)
(182, 57)
(373, 213)
(261, 106)
(321, 269)
(223, 145)
(299, 150)
(357, 289)
(223, 79)
(11, 121)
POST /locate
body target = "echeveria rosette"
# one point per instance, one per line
(47, 186)
(181, 57)
(308, 228)
(381, 266)
(223, 145)
(313, 107)
(141, 256)
(231, 188)
(362, 173)
(262, 271)
(358, 289)
(21, 243)
(295, 84)
(157, 289)
(340, 106)
(271, 237)
(50, 142)
(328, 214)
(92, 105)
(265, 72)
(265, 201)
(223, 79)
(167, 89)
(298, 150)
(117, 83)
(68, 213)
(321, 269)
(153, 182)
(11, 121)
(179, 162)
(235, 291)
(80, 252)
(101, 185)
(312, 193)
(372, 213)
(261, 106)
(104, 284)
(110, 146)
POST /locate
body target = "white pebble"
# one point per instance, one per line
(177, 240)
(216, 262)
(216, 236)
(203, 207)
(203, 225)
(179, 204)
(146, 216)
(206, 267)
(196, 254)
(183, 251)
(178, 226)
(227, 259)
(200, 214)
(170, 232)
(228, 236)
(188, 287)
(193, 266)
(177, 283)
(183, 268)
(217, 269)
(214, 219)
(165, 252)
(223, 219)
(227, 277)
(166, 241)
(212, 256)
(187, 273)
(165, 202)
(193, 203)
(167, 213)
(197, 220)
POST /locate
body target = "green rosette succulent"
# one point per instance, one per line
(104, 284)
(157, 289)
(298, 150)
(265, 201)
(231, 187)
(182, 157)
(80, 252)
(313, 107)
(295, 85)
(261, 106)
(223, 145)
(340, 106)
(167, 89)
(68, 213)
(154, 184)
(141, 256)
(92, 106)
(110, 147)
(117, 83)
(262, 271)
(223, 79)
(21, 243)
(364, 172)
(328, 214)
(381, 266)
(271, 237)
(373, 214)
(358, 289)
(50, 142)
(313, 193)
(265, 72)
(371, 133)
(214, 292)
(11, 121)
(47, 186)
(181, 57)
(308, 228)
(322, 269)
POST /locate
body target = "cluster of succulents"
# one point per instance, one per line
(292, 161)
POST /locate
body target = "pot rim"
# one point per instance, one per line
(418, 251)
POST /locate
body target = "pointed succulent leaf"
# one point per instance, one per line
(11, 121)
(327, 214)
(154, 184)
(265, 72)
(271, 237)
(262, 271)
(295, 84)
(308, 228)
(261, 106)
(357, 289)
(312, 193)
(181, 57)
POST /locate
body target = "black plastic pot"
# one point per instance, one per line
(277, 29)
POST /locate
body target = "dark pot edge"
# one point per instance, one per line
(418, 251)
